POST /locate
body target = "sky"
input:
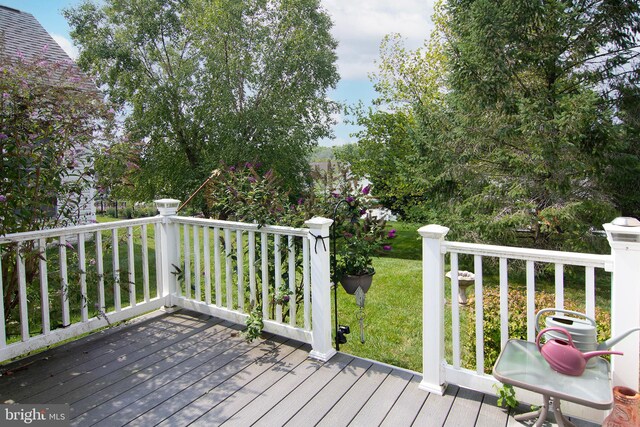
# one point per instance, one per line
(359, 26)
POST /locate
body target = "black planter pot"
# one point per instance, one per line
(352, 283)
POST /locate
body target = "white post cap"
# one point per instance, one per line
(167, 207)
(623, 230)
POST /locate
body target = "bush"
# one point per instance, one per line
(517, 323)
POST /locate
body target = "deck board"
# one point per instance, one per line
(154, 380)
(465, 408)
(273, 395)
(316, 409)
(301, 395)
(73, 355)
(191, 369)
(384, 398)
(85, 378)
(436, 408)
(490, 414)
(406, 408)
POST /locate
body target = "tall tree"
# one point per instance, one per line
(524, 116)
(205, 81)
(533, 90)
(47, 129)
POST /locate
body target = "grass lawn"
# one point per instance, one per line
(393, 306)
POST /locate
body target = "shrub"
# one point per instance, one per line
(517, 323)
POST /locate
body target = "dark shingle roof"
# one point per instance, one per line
(21, 35)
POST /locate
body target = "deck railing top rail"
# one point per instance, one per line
(242, 226)
(67, 231)
(527, 254)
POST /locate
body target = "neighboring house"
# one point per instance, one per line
(22, 36)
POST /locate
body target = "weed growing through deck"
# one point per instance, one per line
(506, 396)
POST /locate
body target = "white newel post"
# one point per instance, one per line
(169, 257)
(319, 245)
(433, 379)
(625, 302)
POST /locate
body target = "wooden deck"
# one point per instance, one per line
(188, 369)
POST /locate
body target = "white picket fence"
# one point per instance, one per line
(65, 304)
(213, 267)
(441, 369)
(222, 268)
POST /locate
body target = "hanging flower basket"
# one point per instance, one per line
(352, 283)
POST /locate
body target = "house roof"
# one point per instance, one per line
(22, 36)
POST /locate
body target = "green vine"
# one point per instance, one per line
(506, 396)
(254, 324)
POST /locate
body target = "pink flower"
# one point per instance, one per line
(366, 190)
(386, 247)
(350, 199)
(391, 234)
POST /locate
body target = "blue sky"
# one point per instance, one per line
(359, 26)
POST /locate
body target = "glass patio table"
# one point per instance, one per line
(520, 364)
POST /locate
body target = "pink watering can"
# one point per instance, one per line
(563, 356)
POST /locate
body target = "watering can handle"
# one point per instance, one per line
(559, 310)
(564, 331)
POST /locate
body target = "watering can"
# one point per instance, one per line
(581, 327)
(563, 356)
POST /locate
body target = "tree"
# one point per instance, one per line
(523, 116)
(208, 81)
(533, 87)
(47, 129)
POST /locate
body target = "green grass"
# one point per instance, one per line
(393, 315)
(393, 306)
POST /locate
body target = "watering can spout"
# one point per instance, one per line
(613, 341)
(591, 354)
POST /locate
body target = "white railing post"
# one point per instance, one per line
(625, 302)
(433, 379)
(320, 288)
(168, 208)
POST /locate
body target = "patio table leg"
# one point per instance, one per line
(541, 413)
(560, 419)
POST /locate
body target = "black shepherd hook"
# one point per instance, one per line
(334, 267)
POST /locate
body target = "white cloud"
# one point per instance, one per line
(360, 25)
(66, 45)
(338, 118)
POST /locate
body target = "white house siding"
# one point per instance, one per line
(84, 210)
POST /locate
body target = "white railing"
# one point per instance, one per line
(244, 272)
(70, 281)
(442, 367)
(74, 280)
(227, 268)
